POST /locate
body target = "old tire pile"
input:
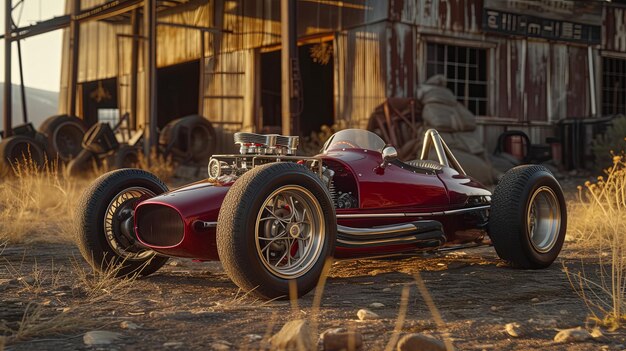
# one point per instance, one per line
(62, 136)
(188, 139)
(59, 138)
(20, 149)
(99, 144)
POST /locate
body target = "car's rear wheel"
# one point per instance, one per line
(105, 224)
(276, 225)
(528, 218)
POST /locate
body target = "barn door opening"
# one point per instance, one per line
(316, 72)
(177, 91)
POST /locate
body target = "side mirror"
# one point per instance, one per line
(389, 154)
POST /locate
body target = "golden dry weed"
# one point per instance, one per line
(37, 203)
(597, 220)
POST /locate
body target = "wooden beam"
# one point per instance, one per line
(73, 64)
(134, 69)
(150, 129)
(8, 97)
(107, 10)
(290, 90)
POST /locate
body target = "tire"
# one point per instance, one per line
(528, 218)
(190, 138)
(63, 136)
(83, 164)
(19, 148)
(118, 251)
(238, 243)
(124, 157)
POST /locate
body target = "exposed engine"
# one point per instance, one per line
(259, 149)
(256, 150)
(346, 200)
(266, 144)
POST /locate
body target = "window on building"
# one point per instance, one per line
(109, 115)
(613, 86)
(465, 69)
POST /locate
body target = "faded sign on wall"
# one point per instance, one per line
(564, 20)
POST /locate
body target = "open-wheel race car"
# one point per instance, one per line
(272, 217)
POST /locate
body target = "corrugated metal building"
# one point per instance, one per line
(515, 63)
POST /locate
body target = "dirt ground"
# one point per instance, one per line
(190, 305)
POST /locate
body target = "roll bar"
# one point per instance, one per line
(445, 156)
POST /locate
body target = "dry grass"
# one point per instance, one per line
(36, 204)
(38, 279)
(37, 322)
(161, 166)
(598, 220)
(103, 285)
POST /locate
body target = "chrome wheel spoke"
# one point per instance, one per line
(117, 211)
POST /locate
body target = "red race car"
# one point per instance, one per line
(271, 216)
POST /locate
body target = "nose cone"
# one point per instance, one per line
(168, 223)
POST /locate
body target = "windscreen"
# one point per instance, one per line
(354, 139)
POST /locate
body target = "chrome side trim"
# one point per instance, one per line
(404, 214)
(202, 225)
(375, 215)
(485, 207)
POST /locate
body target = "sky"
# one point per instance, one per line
(41, 54)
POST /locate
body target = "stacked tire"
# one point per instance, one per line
(188, 139)
(62, 136)
(20, 149)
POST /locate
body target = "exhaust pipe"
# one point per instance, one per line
(424, 233)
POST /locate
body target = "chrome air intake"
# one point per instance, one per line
(266, 144)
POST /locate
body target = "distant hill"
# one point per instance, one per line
(40, 104)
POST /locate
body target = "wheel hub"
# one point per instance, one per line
(543, 219)
(294, 230)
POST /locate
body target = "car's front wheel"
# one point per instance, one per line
(276, 225)
(105, 225)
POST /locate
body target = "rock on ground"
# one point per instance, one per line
(173, 344)
(420, 342)
(513, 329)
(100, 337)
(294, 335)
(221, 345)
(129, 325)
(337, 341)
(571, 335)
(365, 314)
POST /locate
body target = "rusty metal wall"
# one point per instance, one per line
(378, 53)
(442, 15)
(614, 28)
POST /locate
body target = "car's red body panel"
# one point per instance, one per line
(389, 195)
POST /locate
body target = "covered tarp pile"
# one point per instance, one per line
(440, 110)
